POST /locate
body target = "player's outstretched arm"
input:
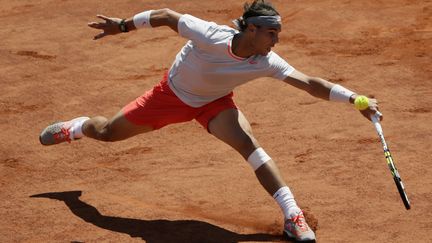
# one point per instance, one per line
(326, 90)
(153, 18)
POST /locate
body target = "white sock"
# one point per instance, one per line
(286, 201)
(77, 127)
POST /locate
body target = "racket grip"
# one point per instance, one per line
(375, 120)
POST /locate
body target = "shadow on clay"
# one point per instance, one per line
(155, 231)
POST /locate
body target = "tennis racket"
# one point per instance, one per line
(390, 162)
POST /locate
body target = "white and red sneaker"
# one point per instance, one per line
(296, 227)
(60, 132)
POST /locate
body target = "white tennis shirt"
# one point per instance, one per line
(206, 69)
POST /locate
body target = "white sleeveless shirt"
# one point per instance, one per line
(206, 69)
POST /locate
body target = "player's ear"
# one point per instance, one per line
(251, 28)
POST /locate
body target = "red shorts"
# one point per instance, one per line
(160, 107)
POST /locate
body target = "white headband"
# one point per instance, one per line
(268, 21)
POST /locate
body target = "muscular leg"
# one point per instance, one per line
(116, 129)
(232, 127)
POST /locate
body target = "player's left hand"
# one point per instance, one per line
(372, 110)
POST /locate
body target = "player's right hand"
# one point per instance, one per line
(109, 27)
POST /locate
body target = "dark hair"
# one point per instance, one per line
(256, 8)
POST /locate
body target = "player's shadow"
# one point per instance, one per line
(155, 231)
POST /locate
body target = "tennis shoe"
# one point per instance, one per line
(60, 132)
(297, 228)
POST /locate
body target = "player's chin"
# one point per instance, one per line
(265, 52)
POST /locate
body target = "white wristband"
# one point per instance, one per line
(340, 94)
(142, 20)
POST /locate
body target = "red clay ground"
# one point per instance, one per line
(180, 184)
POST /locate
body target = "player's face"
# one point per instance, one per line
(265, 39)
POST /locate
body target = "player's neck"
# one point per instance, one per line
(241, 46)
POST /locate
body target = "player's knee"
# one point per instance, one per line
(243, 141)
(246, 145)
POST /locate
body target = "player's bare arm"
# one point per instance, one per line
(321, 88)
(113, 26)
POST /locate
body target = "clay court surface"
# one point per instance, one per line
(180, 184)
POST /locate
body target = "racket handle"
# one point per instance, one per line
(375, 121)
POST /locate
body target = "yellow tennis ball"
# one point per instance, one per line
(361, 102)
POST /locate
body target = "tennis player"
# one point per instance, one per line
(199, 85)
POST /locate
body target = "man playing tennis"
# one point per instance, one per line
(199, 86)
